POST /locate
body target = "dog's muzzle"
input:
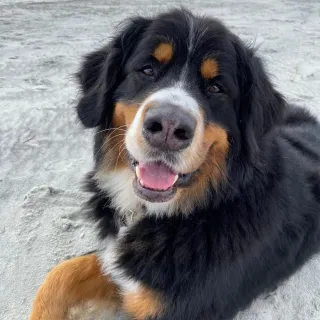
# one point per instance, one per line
(168, 128)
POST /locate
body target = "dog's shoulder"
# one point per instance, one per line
(301, 135)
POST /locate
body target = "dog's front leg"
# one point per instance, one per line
(74, 289)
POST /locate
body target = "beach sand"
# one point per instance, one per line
(44, 152)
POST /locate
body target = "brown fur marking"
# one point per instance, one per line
(124, 114)
(140, 140)
(209, 69)
(163, 52)
(215, 148)
(69, 284)
(114, 145)
(142, 304)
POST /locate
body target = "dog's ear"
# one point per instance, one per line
(261, 106)
(101, 73)
(90, 79)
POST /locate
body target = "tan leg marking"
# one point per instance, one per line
(71, 283)
(142, 304)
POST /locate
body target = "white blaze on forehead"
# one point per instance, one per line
(175, 96)
(184, 70)
(191, 33)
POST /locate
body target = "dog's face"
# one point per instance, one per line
(166, 96)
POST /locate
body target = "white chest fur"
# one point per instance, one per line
(109, 258)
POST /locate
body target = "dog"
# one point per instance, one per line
(206, 183)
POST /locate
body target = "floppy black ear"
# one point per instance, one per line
(261, 106)
(101, 73)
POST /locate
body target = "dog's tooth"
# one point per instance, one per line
(141, 182)
(138, 172)
(175, 179)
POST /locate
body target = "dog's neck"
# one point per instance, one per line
(131, 217)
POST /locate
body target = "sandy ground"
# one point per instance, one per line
(44, 152)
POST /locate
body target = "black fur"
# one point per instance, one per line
(261, 226)
(98, 208)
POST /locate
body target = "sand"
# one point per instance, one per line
(44, 152)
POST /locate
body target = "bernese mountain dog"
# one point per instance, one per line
(206, 184)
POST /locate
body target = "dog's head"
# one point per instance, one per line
(175, 100)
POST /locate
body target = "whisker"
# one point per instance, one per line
(109, 129)
(123, 148)
(104, 143)
(108, 140)
(95, 155)
(112, 137)
(115, 146)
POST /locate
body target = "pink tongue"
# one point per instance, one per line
(156, 175)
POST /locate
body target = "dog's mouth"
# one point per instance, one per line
(156, 182)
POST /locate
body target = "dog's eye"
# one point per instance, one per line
(213, 89)
(148, 71)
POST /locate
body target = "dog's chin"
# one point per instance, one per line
(156, 181)
(151, 195)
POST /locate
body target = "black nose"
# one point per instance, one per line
(168, 127)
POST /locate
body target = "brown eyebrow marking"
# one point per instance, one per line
(163, 52)
(209, 69)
